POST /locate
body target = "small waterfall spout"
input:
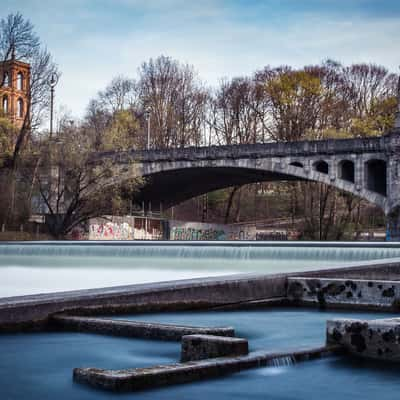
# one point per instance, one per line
(283, 361)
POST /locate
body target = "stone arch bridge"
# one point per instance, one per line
(366, 167)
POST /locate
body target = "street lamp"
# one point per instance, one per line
(147, 114)
(52, 83)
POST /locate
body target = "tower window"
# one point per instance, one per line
(20, 108)
(20, 81)
(6, 79)
(5, 104)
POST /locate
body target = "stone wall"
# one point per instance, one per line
(326, 291)
(377, 339)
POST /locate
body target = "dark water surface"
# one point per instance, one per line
(39, 366)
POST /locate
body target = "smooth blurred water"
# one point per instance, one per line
(277, 329)
(41, 268)
(39, 366)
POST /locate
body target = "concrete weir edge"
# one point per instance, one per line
(146, 378)
(33, 312)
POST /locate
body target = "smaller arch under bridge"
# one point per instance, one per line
(366, 167)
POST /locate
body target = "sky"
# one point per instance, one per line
(93, 41)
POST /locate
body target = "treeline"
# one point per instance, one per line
(274, 104)
(281, 104)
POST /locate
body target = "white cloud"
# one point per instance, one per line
(207, 34)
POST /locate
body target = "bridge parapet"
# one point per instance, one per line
(258, 150)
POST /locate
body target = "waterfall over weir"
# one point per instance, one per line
(289, 251)
(42, 267)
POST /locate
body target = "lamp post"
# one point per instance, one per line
(52, 83)
(148, 113)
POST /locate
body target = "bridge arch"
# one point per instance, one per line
(375, 175)
(297, 164)
(346, 170)
(178, 180)
(321, 166)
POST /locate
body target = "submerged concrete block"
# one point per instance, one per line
(355, 292)
(200, 347)
(138, 329)
(376, 339)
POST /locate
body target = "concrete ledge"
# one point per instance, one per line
(138, 329)
(32, 312)
(200, 347)
(148, 378)
(358, 293)
(175, 295)
(377, 339)
(256, 304)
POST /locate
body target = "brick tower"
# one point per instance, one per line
(14, 90)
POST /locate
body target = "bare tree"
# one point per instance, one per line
(119, 95)
(75, 186)
(236, 110)
(18, 39)
(176, 99)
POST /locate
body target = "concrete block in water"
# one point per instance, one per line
(137, 329)
(200, 347)
(376, 339)
(161, 375)
(361, 293)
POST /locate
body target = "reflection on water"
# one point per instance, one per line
(28, 269)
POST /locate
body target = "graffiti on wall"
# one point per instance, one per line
(202, 231)
(110, 231)
(118, 228)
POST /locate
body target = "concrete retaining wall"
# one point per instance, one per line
(32, 312)
(378, 339)
(181, 230)
(354, 292)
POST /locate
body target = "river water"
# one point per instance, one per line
(39, 366)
